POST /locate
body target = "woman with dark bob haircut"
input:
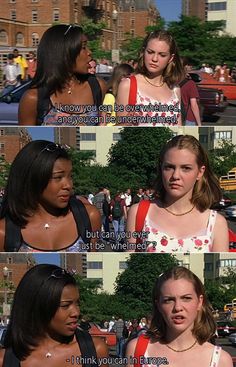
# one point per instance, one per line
(39, 212)
(182, 325)
(62, 91)
(43, 324)
(180, 218)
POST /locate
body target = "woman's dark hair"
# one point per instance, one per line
(56, 57)
(204, 325)
(36, 301)
(29, 175)
(174, 72)
(206, 190)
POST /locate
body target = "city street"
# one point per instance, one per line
(226, 118)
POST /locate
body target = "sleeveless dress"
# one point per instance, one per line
(77, 246)
(214, 358)
(56, 117)
(158, 241)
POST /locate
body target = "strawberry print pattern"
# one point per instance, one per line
(160, 242)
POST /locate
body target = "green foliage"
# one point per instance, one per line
(135, 284)
(138, 151)
(4, 171)
(223, 158)
(131, 47)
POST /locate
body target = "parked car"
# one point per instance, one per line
(3, 330)
(223, 203)
(9, 104)
(232, 241)
(232, 338)
(231, 211)
(225, 328)
(206, 80)
(108, 336)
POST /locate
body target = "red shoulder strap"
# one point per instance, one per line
(143, 207)
(140, 349)
(132, 90)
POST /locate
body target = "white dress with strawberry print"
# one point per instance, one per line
(158, 241)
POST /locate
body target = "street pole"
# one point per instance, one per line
(5, 277)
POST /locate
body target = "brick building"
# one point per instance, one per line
(12, 269)
(134, 16)
(12, 140)
(197, 8)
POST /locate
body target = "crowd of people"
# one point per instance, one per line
(143, 92)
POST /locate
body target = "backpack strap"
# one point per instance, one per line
(140, 349)
(96, 90)
(9, 359)
(13, 238)
(81, 217)
(87, 348)
(132, 90)
(143, 207)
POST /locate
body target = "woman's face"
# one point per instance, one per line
(65, 320)
(157, 56)
(59, 188)
(179, 305)
(83, 59)
(180, 172)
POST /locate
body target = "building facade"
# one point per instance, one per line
(12, 140)
(223, 10)
(197, 8)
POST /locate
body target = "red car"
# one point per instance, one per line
(206, 80)
(232, 241)
(108, 336)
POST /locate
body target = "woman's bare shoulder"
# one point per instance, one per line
(2, 353)
(100, 346)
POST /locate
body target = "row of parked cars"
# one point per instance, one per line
(227, 329)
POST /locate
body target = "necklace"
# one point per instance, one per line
(182, 350)
(154, 85)
(46, 226)
(179, 215)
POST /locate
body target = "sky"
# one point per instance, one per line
(47, 258)
(40, 132)
(170, 10)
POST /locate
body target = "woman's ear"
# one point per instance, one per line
(201, 172)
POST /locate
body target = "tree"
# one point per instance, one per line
(223, 158)
(215, 293)
(138, 151)
(134, 286)
(4, 172)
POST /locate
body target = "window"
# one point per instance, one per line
(217, 6)
(203, 139)
(13, 14)
(35, 39)
(132, 9)
(1, 146)
(227, 135)
(3, 37)
(132, 22)
(88, 137)
(34, 16)
(94, 265)
(132, 32)
(1, 132)
(56, 15)
(19, 39)
(116, 136)
(12, 1)
(9, 260)
(123, 265)
(227, 262)
(208, 267)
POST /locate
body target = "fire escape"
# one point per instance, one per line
(92, 9)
